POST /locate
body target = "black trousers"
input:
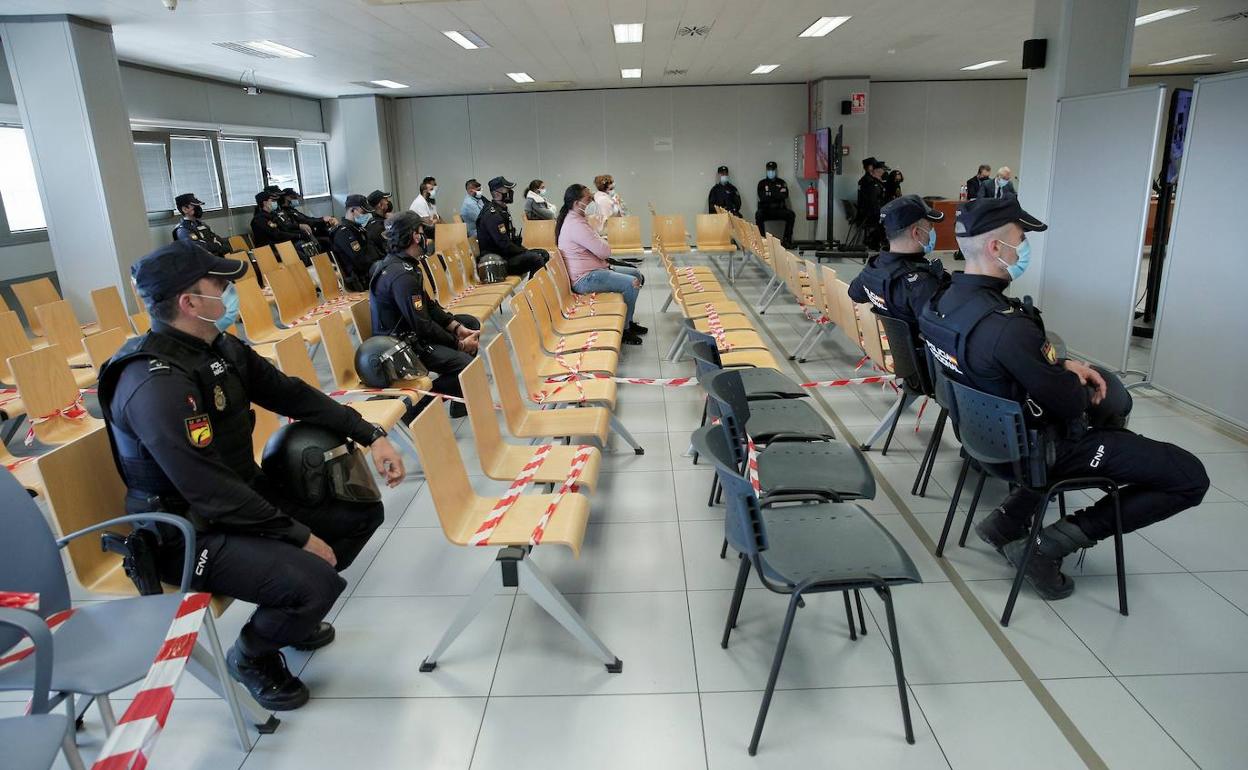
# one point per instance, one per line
(293, 588)
(527, 262)
(763, 216)
(1158, 480)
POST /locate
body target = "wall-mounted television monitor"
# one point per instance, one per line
(1176, 130)
(823, 150)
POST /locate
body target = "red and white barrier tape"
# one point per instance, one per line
(579, 461)
(469, 289)
(851, 381)
(692, 277)
(130, 744)
(394, 392)
(75, 411)
(22, 600)
(716, 327)
(521, 482)
(590, 301)
(751, 466)
(19, 600)
(323, 309)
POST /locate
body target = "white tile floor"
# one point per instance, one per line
(1163, 688)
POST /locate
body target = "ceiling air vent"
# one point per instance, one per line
(693, 30)
(1231, 17)
(676, 73)
(246, 50)
(367, 84)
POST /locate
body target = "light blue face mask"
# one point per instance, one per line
(771, 174)
(723, 179)
(228, 298)
(1024, 259)
(363, 219)
(931, 242)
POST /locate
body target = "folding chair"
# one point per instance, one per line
(540, 297)
(110, 311)
(101, 347)
(532, 311)
(62, 330)
(572, 304)
(53, 401)
(545, 283)
(461, 513)
(624, 235)
(258, 325)
(525, 337)
(30, 295)
(670, 231)
(540, 234)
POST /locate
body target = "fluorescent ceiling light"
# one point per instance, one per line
(1239, 61)
(628, 33)
(1181, 59)
(825, 25)
(388, 84)
(277, 49)
(520, 77)
(1167, 13)
(469, 40)
(763, 69)
(635, 73)
(985, 64)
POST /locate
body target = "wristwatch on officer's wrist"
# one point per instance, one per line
(378, 433)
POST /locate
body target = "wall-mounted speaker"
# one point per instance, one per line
(846, 107)
(1033, 53)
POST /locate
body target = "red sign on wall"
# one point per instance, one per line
(858, 103)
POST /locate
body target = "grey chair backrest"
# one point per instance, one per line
(993, 431)
(29, 557)
(727, 392)
(908, 361)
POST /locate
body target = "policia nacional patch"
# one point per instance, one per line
(418, 302)
(1049, 352)
(199, 430)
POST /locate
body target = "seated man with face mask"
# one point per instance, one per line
(352, 247)
(724, 194)
(900, 282)
(997, 344)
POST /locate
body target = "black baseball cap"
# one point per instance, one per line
(273, 189)
(175, 266)
(983, 214)
(265, 195)
(291, 192)
(871, 162)
(360, 201)
(500, 181)
(187, 199)
(375, 197)
(771, 165)
(722, 170)
(904, 211)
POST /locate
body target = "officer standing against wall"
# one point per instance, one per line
(193, 228)
(997, 344)
(773, 204)
(177, 402)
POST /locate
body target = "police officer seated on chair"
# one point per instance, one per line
(316, 228)
(997, 344)
(382, 207)
(267, 227)
(497, 235)
(192, 227)
(402, 309)
(177, 402)
(900, 282)
(773, 204)
(724, 194)
(352, 248)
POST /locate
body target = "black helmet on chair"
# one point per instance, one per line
(312, 464)
(491, 268)
(382, 361)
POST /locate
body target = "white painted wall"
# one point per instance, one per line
(662, 145)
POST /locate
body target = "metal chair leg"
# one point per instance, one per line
(887, 596)
(676, 343)
(919, 488)
(618, 427)
(1118, 554)
(953, 506)
(862, 622)
(668, 303)
(710, 498)
(738, 593)
(1036, 523)
(849, 617)
(775, 673)
(892, 428)
(970, 512)
(723, 549)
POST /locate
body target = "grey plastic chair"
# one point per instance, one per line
(759, 384)
(32, 742)
(800, 545)
(103, 646)
(769, 419)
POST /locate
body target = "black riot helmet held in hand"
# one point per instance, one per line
(382, 361)
(313, 464)
(491, 268)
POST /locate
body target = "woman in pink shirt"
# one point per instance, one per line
(587, 256)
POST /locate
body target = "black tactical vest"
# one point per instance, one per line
(388, 319)
(221, 395)
(878, 282)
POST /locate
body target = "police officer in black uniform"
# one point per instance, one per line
(870, 201)
(773, 204)
(177, 402)
(446, 343)
(312, 227)
(901, 281)
(724, 194)
(352, 248)
(382, 207)
(497, 235)
(193, 228)
(268, 227)
(997, 344)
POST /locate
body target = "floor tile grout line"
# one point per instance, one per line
(693, 647)
(485, 709)
(1157, 721)
(1065, 725)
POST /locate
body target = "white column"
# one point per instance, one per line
(68, 87)
(359, 146)
(1089, 51)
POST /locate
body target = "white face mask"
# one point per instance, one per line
(542, 192)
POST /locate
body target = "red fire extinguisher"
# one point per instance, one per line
(812, 203)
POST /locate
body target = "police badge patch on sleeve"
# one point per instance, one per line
(418, 302)
(502, 228)
(1049, 352)
(199, 430)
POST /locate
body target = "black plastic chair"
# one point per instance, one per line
(943, 393)
(911, 365)
(806, 545)
(995, 435)
(759, 383)
(768, 419)
(32, 742)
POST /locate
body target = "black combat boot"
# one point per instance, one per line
(267, 679)
(321, 637)
(996, 529)
(1044, 568)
